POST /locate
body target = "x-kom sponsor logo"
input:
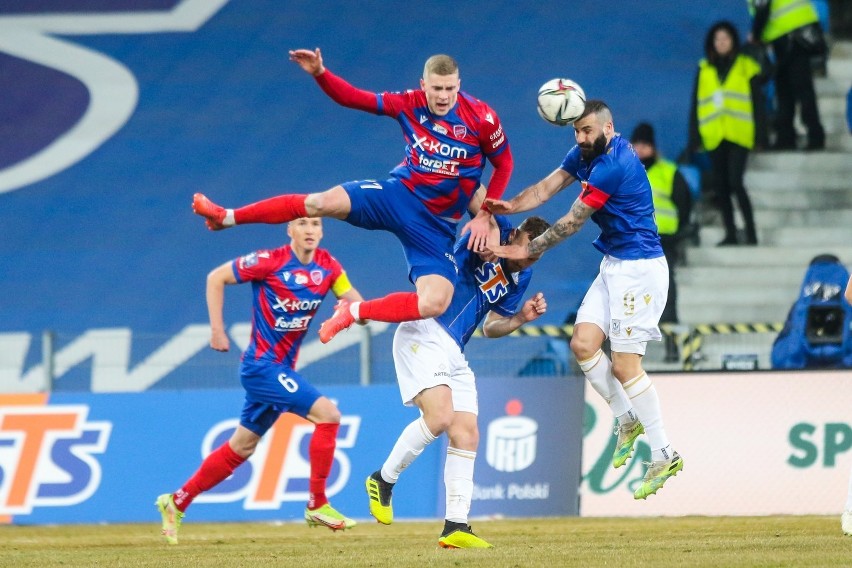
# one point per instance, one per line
(280, 469)
(289, 322)
(47, 454)
(437, 156)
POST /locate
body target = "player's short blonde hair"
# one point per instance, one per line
(440, 65)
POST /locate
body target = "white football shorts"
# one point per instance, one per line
(425, 356)
(626, 301)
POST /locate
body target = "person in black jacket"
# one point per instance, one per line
(794, 79)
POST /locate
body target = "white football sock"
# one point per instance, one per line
(644, 397)
(410, 443)
(598, 371)
(229, 221)
(458, 481)
(355, 310)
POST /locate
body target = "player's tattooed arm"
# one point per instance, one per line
(533, 195)
(563, 228)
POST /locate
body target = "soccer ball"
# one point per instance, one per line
(561, 101)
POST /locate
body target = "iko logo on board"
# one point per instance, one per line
(512, 440)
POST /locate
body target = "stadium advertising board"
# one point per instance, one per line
(529, 457)
(752, 444)
(86, 458)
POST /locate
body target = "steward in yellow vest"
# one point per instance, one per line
(722, 122)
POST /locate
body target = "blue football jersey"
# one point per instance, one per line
(615, 183)
(481, 287)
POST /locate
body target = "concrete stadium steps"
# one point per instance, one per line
(745, 284)
(802, 217)
(799, 196)
(783, 235)
(733, 261)
(827, 162)
(789, 179)
(765, 278)
(840, 61)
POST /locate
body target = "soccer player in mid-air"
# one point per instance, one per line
(628, 296)
(449, 134)
(289, 284)
(434, 375)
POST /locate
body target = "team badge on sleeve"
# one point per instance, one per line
(248, 260)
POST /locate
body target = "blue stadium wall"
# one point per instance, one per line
(109, 240)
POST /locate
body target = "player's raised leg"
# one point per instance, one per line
(431, 299)
(275, 210)
(596, 366)
(665, 462)
(410, 444)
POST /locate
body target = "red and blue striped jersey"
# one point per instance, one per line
(285, 296)
(444, 156)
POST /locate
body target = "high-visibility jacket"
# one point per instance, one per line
(786, 16)
(661, 175)
(725, 110)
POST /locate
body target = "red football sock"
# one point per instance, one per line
(321, 453)
(280, 209)
(396, 307)
(214, 469)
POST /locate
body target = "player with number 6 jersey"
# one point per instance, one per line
(288, 285)
(449, 135)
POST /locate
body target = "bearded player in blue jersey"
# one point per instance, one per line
(628, 296)
(434, 375)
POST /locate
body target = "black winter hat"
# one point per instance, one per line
(643, 132)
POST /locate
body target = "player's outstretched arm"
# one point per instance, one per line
(567, 225)
(497, 325)
(216, 281)
(475, 209)
(309, 61)
(534, 195)
(335, 87)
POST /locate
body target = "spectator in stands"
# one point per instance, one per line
(434, 375)
(793, 29)
(627, 298)
(722, 122)
(672, 210)
(289, 285)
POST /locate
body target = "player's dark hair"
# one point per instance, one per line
(599, 108)
(710, 52)
(440, 65)
(534, 226)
